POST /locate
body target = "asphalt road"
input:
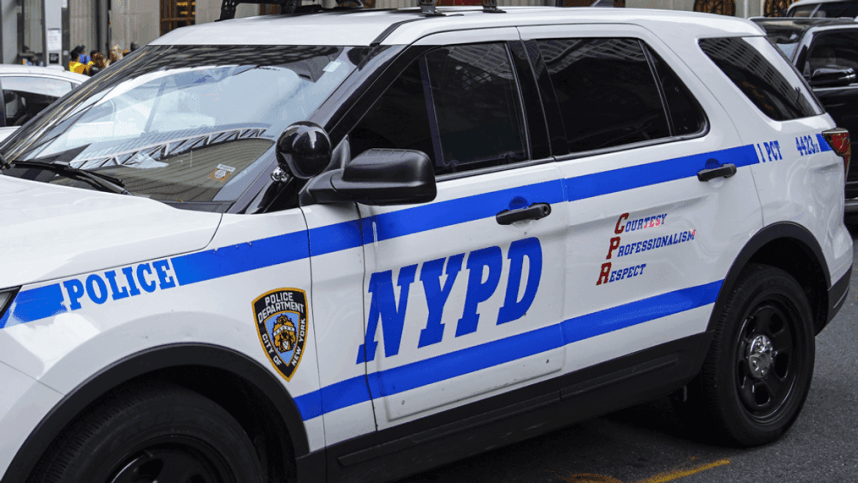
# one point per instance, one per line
(648, 444)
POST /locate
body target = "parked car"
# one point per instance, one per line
(825, 51)
(349, 245)
(28, 89)
(823, 8)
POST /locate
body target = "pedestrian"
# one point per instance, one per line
(115, 54)
(74, 62)
(98, 64)
(84, 59)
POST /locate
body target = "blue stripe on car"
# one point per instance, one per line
(465, 361)
(231, 260)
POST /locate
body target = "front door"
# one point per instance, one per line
(461, 300)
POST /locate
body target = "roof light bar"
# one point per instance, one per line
(838, 139)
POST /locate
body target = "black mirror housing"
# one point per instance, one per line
(304, 149)
(833, 77)
(379, 177)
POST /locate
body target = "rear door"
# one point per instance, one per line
(649, 243)
(462, 302)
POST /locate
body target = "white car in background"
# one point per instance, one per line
(823, 8)
(27, 90)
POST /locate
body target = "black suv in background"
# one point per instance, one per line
(825, 51)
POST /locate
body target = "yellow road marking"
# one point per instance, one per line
(664, 477)
(682, 473)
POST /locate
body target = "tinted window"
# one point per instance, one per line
(398, 120)
(838, 49)
(838, 9)
(476, 105)
(686, 116)
(776, 91)
(457, 104)
(785, 37)
(804, 11)
(26, 96)
(606, 91)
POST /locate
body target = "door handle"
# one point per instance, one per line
(723, 171)
(532, 212)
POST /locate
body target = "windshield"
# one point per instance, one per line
(184, 124)
(827, 10)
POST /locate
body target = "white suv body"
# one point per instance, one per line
(362, 341)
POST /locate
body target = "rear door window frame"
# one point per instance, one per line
(550, 103)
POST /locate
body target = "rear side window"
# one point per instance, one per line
(763, 75)
(606, 91)
(686, 116)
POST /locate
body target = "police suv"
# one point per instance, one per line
(351, 245)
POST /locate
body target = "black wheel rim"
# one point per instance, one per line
(171, 460)
(764, 381)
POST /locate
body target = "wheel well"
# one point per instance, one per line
(253, 396)
(248, 405)
(799, 260)
(244, 402)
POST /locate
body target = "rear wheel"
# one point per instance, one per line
(163, 434)
(757, 373)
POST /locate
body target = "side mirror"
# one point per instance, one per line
(379, 177)
(304, 149)
(832, 77)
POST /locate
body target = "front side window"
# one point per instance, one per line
(606, 91)
(458, 104)
(25, 96)
(184, 124)
(763, 76)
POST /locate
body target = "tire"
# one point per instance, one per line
(160, 433)
(744, 394)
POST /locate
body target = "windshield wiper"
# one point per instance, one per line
(104, 181)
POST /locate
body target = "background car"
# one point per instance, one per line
(825, 51)
(27, 90)
(823, 8)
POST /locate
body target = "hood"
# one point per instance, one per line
(49, 231)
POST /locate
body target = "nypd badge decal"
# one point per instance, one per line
(281, 320)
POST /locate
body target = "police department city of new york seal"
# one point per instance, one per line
(281, 320)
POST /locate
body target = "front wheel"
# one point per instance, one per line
(758, 370)
(163, 434)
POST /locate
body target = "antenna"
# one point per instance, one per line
(491, 6)
(427, 8)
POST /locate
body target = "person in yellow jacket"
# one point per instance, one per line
(74, 62)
